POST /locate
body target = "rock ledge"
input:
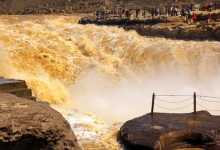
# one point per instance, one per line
(164, 131)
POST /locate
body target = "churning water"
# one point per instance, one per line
(98, 75)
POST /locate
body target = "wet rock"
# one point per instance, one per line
(29, 125)
(164, 131)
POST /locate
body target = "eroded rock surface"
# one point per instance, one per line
(164, 131)
(29, 125)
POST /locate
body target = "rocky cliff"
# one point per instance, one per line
(30, 125)
(181, 31)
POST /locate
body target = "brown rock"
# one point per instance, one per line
(164, 131)
(29, 125)
(216, 147)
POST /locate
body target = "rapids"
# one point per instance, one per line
(99, 75)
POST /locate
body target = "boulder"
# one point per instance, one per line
(163, 131)
(29, 125)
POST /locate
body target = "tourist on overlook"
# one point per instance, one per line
(175, 11)
(194, 17)
(189, 10)
(171, 10)
(123, 12)
(152, 12)
(116, 11)
(156, 11)
(103, 14)
(210, 7)
(137, 12)
(215, 5)
(120, 12)
(144, 13)
(97, 14)
(189, 18)
(183, 12)
(164, 11)
(126, 13)
(209, 17)
(160, 11)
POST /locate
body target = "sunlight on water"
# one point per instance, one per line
(105, 71)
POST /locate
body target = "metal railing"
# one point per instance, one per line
(193, 97)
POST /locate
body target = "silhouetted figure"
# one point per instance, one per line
(152, 13)
(183, 12)
(144, 13)
(210, 7)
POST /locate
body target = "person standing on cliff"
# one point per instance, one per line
(189, 10)
(183, 12)
(136, 12)
(189, 18)
(152, 12)
(209, 17)
(194, 17)
(210, 7)
(215, 5)
(144, 13)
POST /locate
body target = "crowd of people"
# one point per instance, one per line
(122, 12)
(209, 6)
(187, 13)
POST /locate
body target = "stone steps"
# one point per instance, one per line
(11, 84)
(22, 92)
(16, 87)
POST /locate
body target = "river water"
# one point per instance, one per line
(99, 77)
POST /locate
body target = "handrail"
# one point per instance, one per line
(194, 97)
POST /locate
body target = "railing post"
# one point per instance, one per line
(194, 95)
(152, 107)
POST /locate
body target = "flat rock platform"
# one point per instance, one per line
(164, 131)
